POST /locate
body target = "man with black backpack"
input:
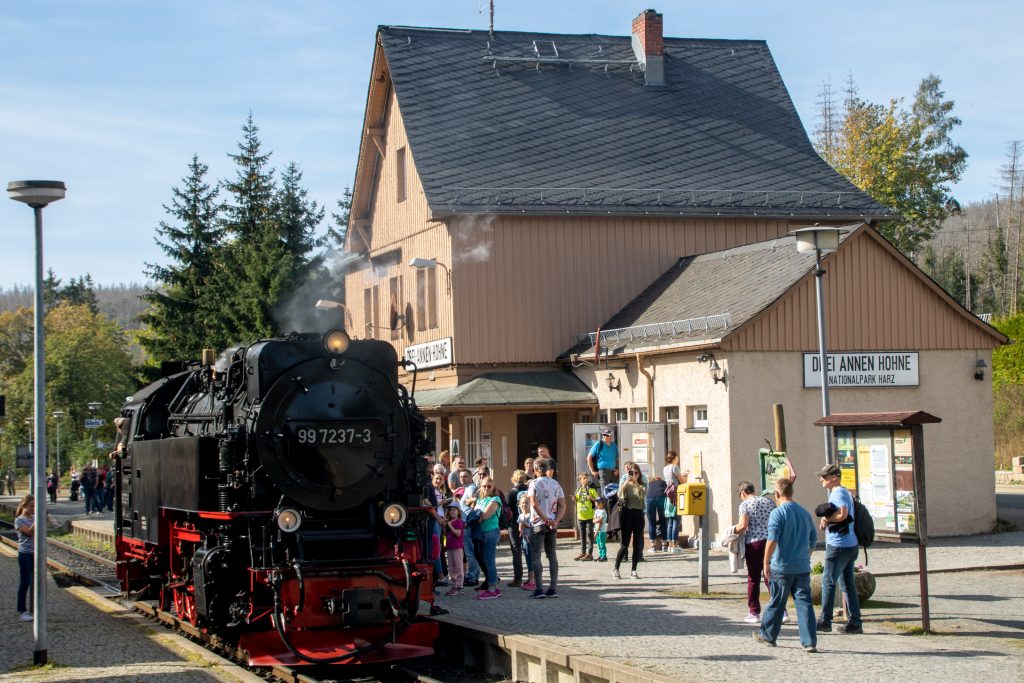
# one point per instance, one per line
(840, 553)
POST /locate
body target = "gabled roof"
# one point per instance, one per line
(703, 299)
(499, 389)
(498, 125)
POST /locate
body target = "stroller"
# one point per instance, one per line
(611, 494)
(75, 485)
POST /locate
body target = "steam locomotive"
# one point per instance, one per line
(274, 498)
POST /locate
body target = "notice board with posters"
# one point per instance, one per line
(877, 465)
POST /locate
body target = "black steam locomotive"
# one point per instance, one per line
(274, 498)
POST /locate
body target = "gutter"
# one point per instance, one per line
(650, 386)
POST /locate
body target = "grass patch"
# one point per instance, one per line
(914, 629)
(49, 666)
(96, 547)
(1003, 527)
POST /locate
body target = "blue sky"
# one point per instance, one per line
(114, 96)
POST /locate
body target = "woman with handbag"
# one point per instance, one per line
(632, 496)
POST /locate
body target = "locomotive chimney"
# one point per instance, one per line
(207, 358)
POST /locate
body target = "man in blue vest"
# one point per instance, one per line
(603, 459)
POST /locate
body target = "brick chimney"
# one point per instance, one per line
(649, 46)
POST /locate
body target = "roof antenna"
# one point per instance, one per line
(491, 29)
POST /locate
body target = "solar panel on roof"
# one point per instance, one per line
(545, 48)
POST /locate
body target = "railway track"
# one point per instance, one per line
(77, 566)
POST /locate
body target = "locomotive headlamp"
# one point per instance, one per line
(336, 342)
(395, 515)
(289, 520)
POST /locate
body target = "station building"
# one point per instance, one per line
(524, 198)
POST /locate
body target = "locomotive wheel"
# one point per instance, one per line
(185, 605)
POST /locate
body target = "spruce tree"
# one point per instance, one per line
(181, 312)
(256, 267)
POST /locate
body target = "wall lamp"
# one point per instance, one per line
(417, 262)
(979, 369)
(614, 384)
(717, 373)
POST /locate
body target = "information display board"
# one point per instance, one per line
(774, 466)
(878, 464)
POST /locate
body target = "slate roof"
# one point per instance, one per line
(703, 298)
(496, 126)
(511, 389)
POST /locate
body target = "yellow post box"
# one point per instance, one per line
(693, 499)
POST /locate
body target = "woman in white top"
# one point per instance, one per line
(673, 476)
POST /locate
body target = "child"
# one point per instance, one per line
(585, 496)
(672, 515)
(526, 531)
(24, 524)
(601, 530)
(453, 527)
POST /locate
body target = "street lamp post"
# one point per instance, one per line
(821, 239)
(37, 194)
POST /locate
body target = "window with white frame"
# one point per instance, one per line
(620, 415)
(472, 441)
(640, 415)
(602, 416)
(697, 418)
(670, 414)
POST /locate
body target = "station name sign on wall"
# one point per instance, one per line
(434, 354)
(885, 369)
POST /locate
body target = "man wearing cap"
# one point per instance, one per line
(840, 554)
(603, 459)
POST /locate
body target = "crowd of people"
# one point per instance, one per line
(468, 513)
(777, 535)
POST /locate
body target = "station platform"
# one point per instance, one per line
(91, 638)
(660, 624)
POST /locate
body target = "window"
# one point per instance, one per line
(697, 419)
(421, 299)
(400, 174)
(395, 306)
(670, 414)
(432, 298)
(376, 312)
(473, 450)
(640, 415)
(602, 416)
(368, 313)
(620, 415)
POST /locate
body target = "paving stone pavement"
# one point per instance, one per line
(93, 639)
(980, 615)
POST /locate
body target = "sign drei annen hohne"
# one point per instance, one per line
(861, 370)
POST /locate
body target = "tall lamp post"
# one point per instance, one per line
(58, 417)
(821, 239)
(37, 194)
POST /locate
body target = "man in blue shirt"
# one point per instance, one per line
(840, 554)
(787, 558)
(603, 459)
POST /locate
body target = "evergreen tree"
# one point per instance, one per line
(51, 290)
(80, 292)
(337, 232)
(297, 219)
(181, 311)
(257, 267)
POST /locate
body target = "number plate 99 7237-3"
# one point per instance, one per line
(333, 433)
